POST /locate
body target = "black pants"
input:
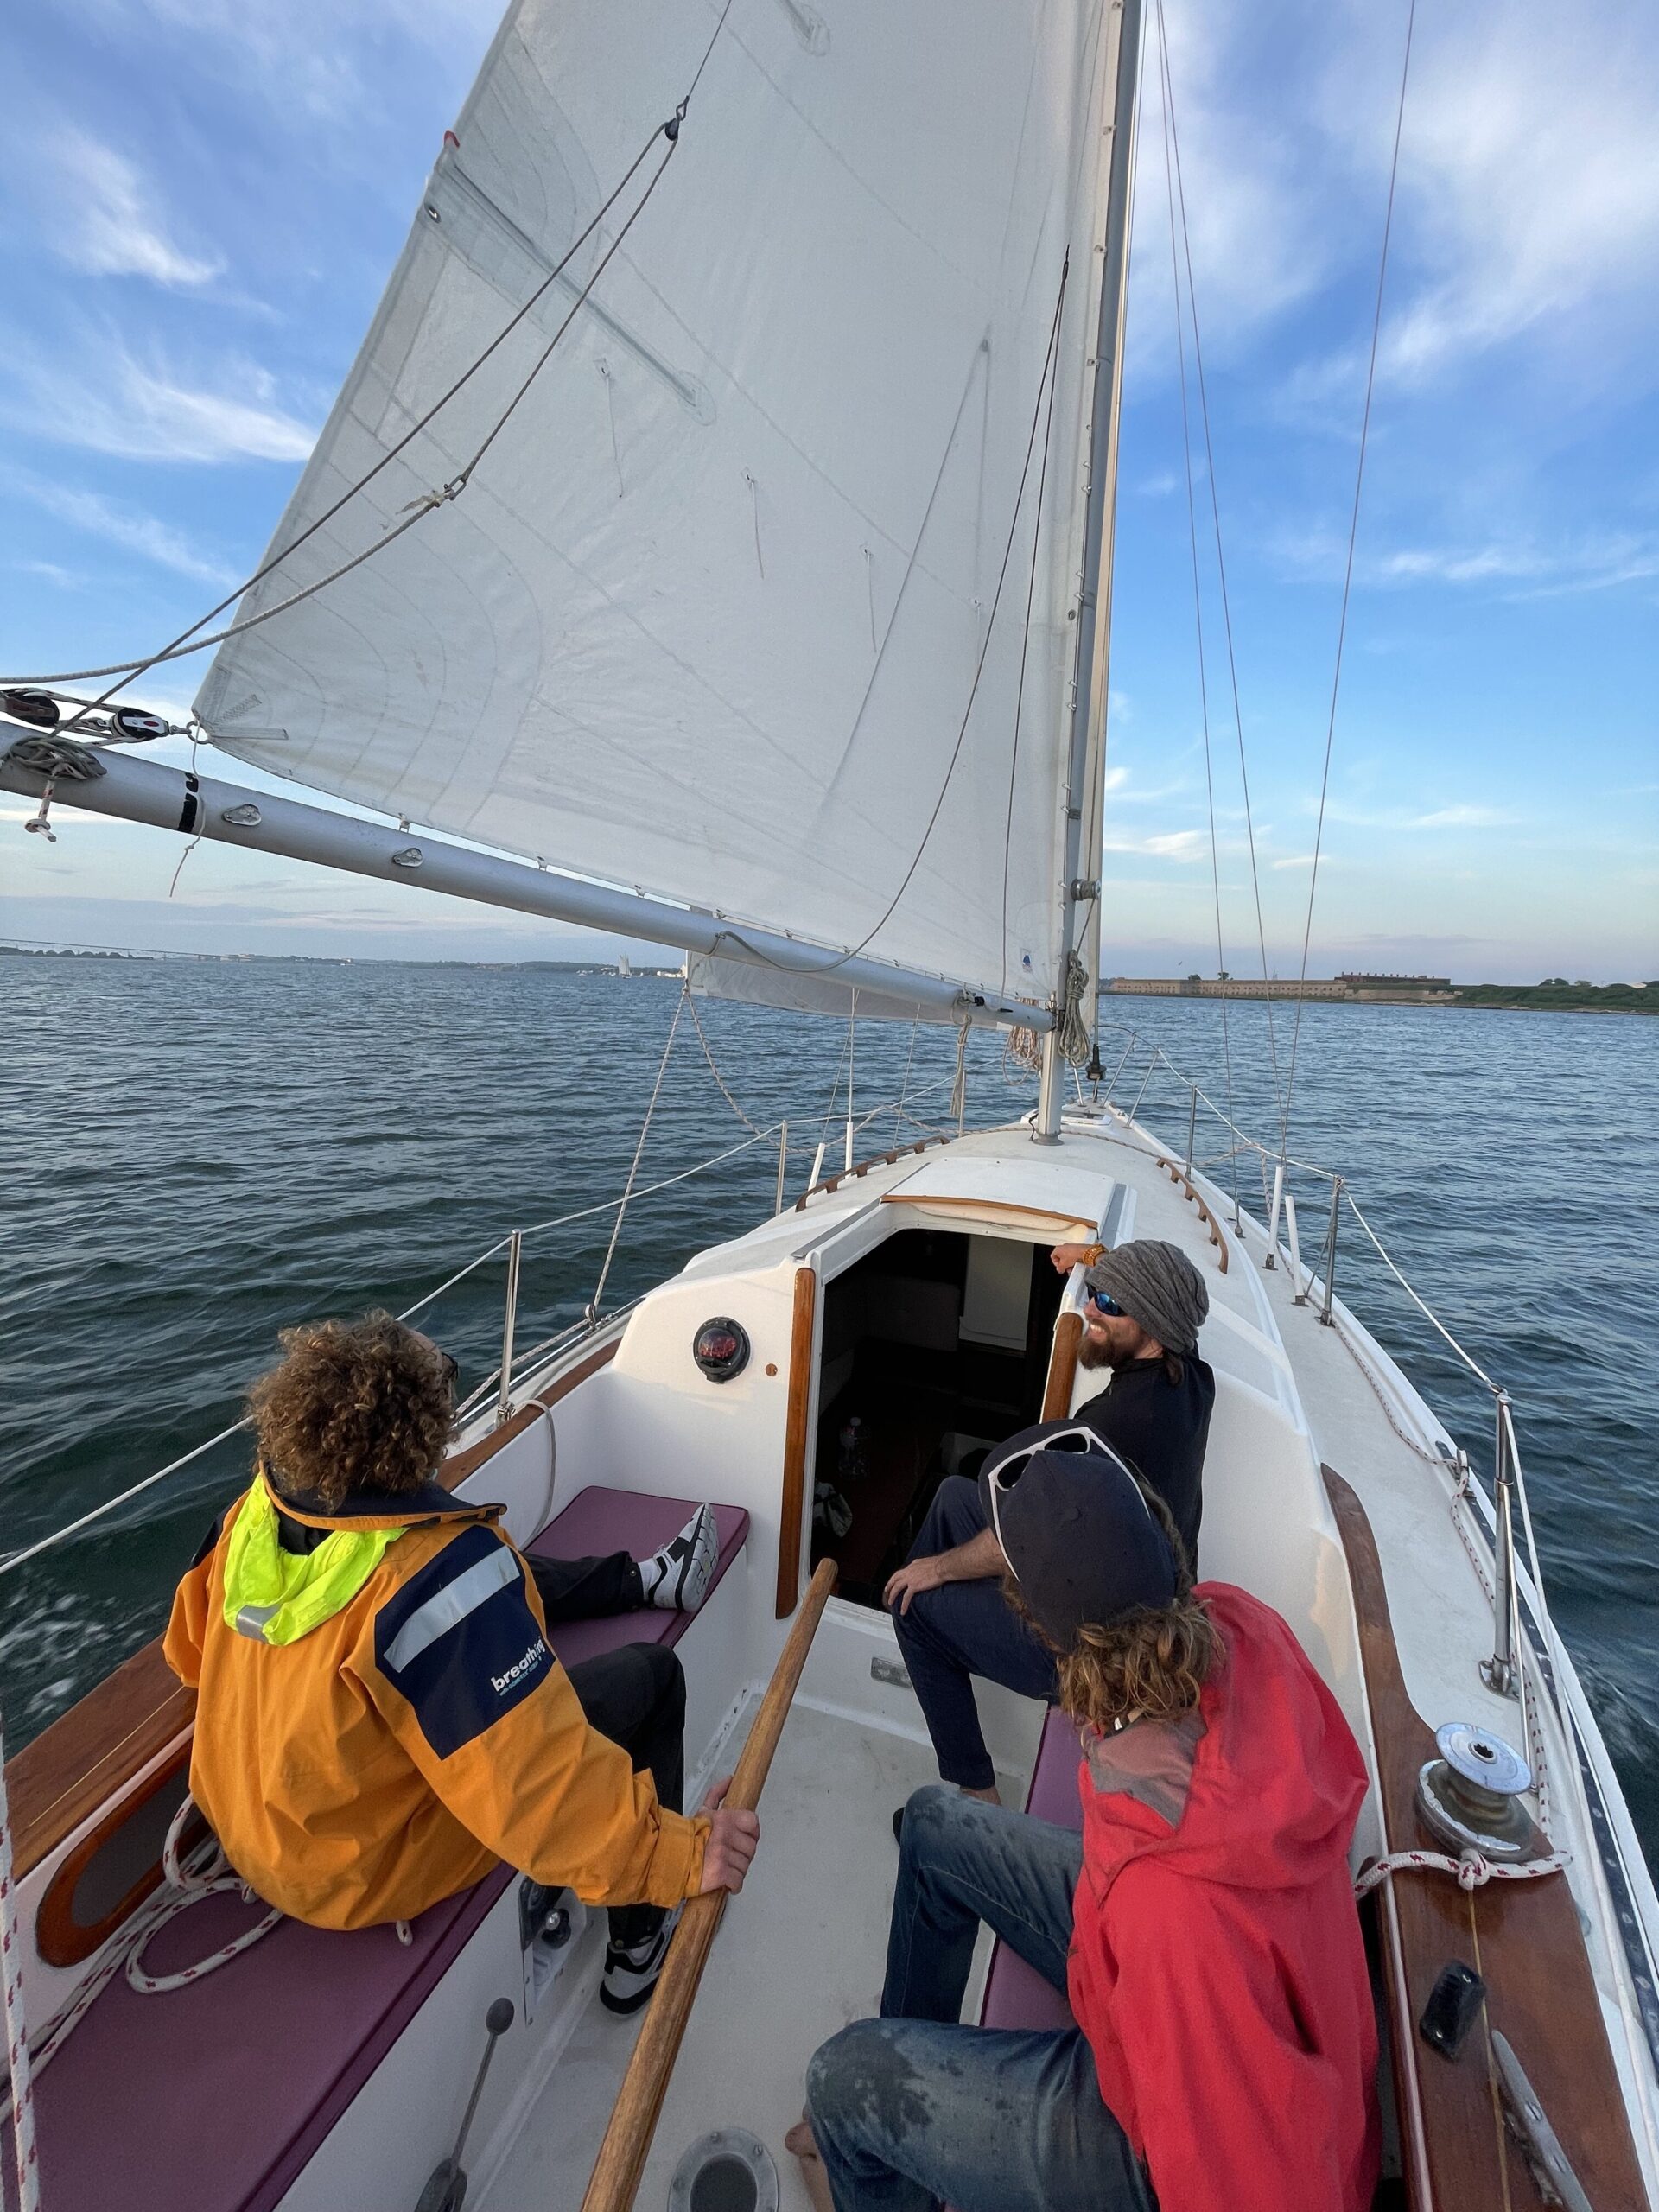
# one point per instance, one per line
(636, 1696)
(588, 1589)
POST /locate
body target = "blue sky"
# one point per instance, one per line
(206, 197)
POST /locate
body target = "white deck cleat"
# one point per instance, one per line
(677, 1578)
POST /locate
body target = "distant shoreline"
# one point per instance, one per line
(1488, 998)
(1485, 998)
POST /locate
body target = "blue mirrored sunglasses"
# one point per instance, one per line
(1104, 1302)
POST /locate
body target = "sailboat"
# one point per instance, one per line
(714, 534)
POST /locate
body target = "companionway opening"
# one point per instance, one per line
(935, 1346)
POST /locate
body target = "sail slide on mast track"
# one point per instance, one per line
(712, 615)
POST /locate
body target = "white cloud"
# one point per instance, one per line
(1252, 209)
(1462, 817)
(116, 404)
(1461, 814)
(1168, 845)
(322, 58)
(104, 223)
(133, 531)
(1594, 560)
(1529, 190)
(1533, 165)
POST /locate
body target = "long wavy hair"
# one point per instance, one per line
(1149, 1663)
(355, 1405)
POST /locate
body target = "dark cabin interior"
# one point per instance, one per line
(938, 1342)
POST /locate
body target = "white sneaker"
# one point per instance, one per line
(677, 1578)
(630, 1969)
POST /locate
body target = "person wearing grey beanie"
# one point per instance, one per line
(1145, 1305)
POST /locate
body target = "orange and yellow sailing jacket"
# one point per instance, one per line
(381, 1721)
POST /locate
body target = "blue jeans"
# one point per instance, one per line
(965, 1629)
(911, 2110)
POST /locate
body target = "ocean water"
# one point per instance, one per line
(199, 1153)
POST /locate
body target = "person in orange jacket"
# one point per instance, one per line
(380, 1720)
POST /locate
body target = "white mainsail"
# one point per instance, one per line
(707, 620)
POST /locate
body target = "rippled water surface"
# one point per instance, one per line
(199, 1153)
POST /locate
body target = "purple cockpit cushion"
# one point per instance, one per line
(1016, 1996)
(598, 1521)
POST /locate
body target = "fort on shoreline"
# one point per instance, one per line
(1554, 994)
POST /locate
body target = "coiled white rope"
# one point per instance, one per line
(192, 1885)
(1473, 1870)
(186, 1883)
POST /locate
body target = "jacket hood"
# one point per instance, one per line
(383, 1509)
(1277, 1778)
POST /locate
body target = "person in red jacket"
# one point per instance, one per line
(1203, 1924)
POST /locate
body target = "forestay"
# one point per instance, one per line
(706, 620)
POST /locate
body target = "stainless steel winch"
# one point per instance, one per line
(1470, 1795)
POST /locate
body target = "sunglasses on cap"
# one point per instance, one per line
(1104, 1302)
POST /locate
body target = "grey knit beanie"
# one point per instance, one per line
(1157, 1286)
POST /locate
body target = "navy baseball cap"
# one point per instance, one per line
(1074, 1530)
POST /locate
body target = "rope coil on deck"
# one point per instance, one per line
(214, 1877)
(1473, 1870)
(205, 1873)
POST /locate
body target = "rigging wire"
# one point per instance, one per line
(1348, 571)
(719, 1080)
(416, 512)
(853, 951)
(1215, 513)
(639, 1153)
(1197, 595)
(179, 650)
(904, 1088)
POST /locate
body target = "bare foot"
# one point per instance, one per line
(799, 2141)
(985, 1797)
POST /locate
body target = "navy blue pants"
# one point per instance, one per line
(965, 1629)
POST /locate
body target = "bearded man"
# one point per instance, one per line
(1146, 1304)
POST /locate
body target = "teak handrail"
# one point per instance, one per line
(1062, 1365)
(622, 2155)
(861, 1168)
(792, 1517)
(1184, 1184)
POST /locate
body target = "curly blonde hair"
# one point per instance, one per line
(355, 1405)
(1150, 1663)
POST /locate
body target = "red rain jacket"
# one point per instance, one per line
(1217, 1966)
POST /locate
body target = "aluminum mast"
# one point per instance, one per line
(1086, 760)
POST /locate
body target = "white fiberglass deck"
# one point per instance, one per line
(799, 1954)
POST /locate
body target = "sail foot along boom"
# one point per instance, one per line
(162, 798)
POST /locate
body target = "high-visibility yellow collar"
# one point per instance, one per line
(276, 1596)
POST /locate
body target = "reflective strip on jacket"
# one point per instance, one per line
(396, 1750)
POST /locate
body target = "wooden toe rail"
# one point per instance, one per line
(1522, 1937)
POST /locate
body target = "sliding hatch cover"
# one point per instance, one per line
(1042, 1196)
